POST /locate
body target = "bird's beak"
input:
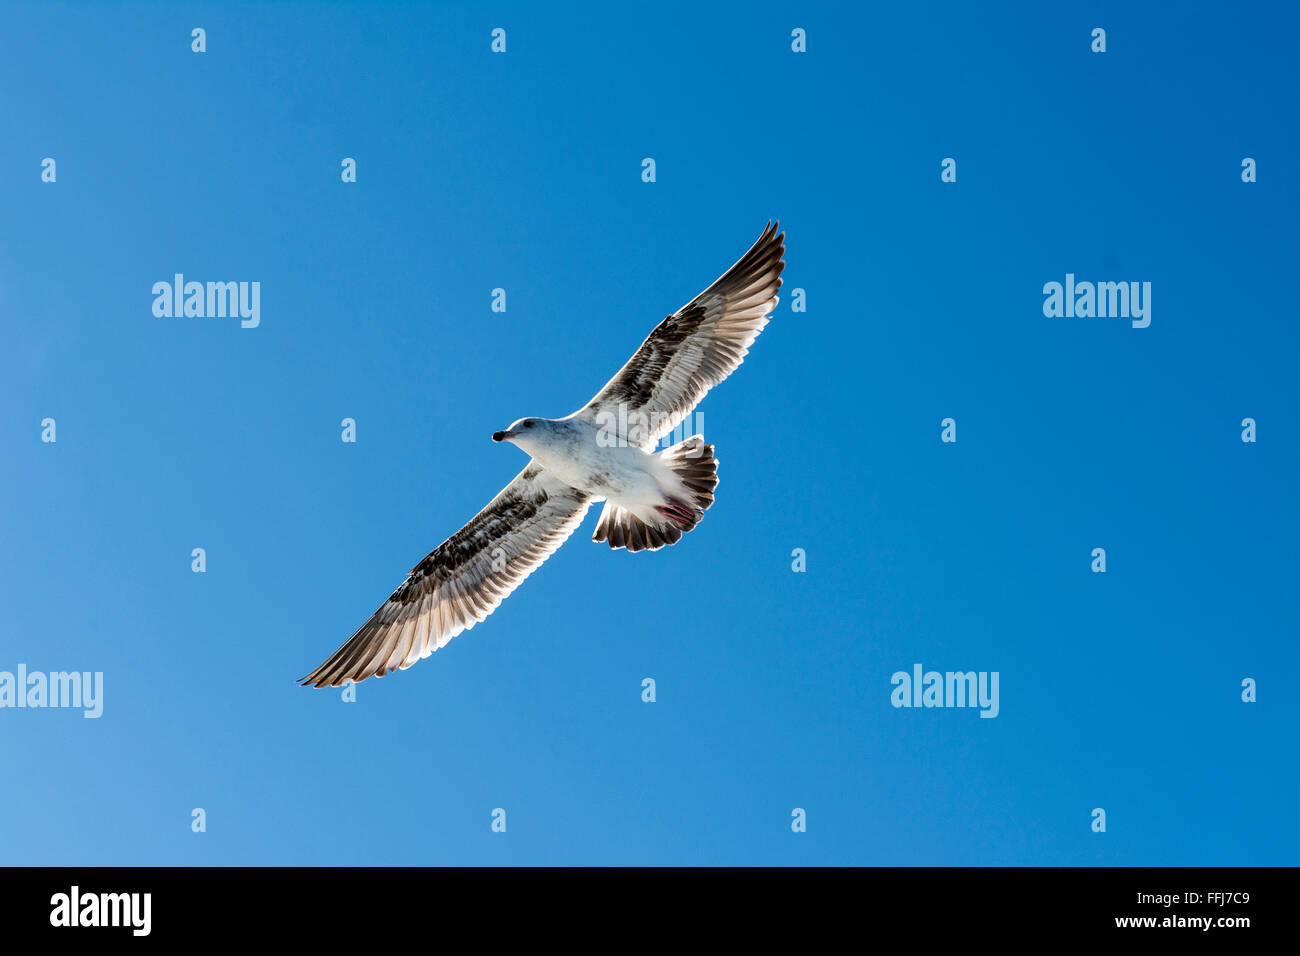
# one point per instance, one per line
(502, 436)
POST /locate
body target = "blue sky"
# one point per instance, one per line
(522, 171)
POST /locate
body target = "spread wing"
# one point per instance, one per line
(695, 348)
(463, 580)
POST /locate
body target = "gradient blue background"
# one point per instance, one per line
(522, 171)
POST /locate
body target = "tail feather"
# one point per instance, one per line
(695, 468)
(694, 464)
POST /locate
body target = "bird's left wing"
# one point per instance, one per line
(463, 580)
(693, 349)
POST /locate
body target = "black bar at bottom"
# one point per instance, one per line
(335, 905)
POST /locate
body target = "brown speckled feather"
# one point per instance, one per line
(699, 345)
(463, 580)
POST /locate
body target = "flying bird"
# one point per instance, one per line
(605, 451)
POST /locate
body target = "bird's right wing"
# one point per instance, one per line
(463, 580)
(695, 348)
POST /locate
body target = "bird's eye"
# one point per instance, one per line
(528, 424)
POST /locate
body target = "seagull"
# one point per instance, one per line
(605, 451)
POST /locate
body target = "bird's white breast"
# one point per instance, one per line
(579, 458)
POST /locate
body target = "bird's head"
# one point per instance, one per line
(521, 431)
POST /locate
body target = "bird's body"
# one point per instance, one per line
(585, 456)
(570, 448)
(605, 451)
